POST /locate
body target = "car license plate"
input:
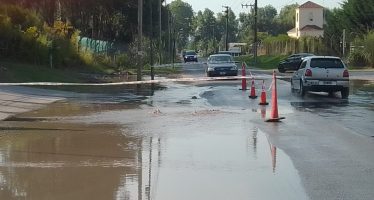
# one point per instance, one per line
(327, 82)
(222, 73)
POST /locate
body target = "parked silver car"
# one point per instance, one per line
(321, 74)
(221, 65)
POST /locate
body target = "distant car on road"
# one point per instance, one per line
(221, 65)
(190, 56)
(321, 74)
(292, 62)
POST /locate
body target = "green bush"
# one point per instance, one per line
(24, 37)
(363, 54)
(123, 62)
(357, 58)
(369, 48)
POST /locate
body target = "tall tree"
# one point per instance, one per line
(286, 18)
(232, 27)
(205, 30)
(182, 15)
(266, 19)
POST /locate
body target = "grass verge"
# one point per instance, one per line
(12, 72)
(21, 72)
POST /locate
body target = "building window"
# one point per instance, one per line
(311, 16)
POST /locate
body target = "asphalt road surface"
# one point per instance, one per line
(195, 140)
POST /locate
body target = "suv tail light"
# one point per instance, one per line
(308, 72)
(346, 73)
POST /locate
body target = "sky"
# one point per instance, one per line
(216, 5)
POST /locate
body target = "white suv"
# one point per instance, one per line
(321, 74)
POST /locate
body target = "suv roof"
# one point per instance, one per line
(328, 57)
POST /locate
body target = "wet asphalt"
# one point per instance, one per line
(201, 140)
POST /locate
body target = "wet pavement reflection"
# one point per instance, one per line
(184, 142)
(356, 112)
(142, 151)
(63, 161)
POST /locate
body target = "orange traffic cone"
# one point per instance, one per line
(253, 90)
(263, 95)
(274, 103)
(244, 81)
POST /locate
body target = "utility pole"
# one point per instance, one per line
(255, 29)
(169, 35)
(344, 42)
(151, 38)
(174, 38)
(255, 40)
(227, 27)
(214, 37)
(140, 37)
(160, 32)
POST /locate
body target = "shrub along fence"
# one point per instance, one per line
(284, 45)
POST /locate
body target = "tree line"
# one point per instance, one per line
(52, 25)
(29, 27)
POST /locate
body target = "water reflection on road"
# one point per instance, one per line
(356, 112)
(120, 151)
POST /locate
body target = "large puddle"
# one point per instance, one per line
(166, 148)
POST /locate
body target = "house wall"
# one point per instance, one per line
(309, 16)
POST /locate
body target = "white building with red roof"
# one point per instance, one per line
(309, 21)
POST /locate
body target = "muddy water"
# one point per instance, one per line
(170, 146)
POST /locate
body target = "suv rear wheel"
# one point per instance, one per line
(345, 93)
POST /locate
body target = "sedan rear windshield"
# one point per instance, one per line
(220, 59)
(326, 63)
(190, 53)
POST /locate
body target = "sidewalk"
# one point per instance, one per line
(15, 100)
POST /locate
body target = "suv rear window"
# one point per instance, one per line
(326, 63)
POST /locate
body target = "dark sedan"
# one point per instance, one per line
(292, 62)
(190, 56)
(221, 65)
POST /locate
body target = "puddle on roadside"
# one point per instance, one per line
(214, 167)
(216, 155)
(64, 161)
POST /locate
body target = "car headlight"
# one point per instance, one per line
(186, 57)
(210, 69)
(195, 56)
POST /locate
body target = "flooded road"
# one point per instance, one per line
(180, 152)
(191, 141)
